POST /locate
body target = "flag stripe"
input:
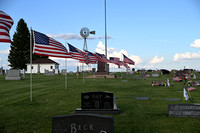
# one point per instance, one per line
(46, 46)
(6, 23)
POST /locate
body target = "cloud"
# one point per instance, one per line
(196, 43)
(0, 59)
(186, 56)
(156, 59)
(4, 51)
(112, 52)
(71, 36)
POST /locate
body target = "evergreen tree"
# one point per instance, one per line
(20, 47)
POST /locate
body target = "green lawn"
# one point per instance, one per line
(50, 98)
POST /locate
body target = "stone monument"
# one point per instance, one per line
(98, 103)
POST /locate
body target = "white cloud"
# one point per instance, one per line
(186, 56)
(112, 52)
(156, 59)
(4, 51)
(196, 43)
(0, 59)
(71, 36)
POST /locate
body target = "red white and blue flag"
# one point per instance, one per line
(92, 58)
(6, 23)
(46, 46)
(127, 60)
(115, 61)
(191, 88)
(101, 57)
(78, 54)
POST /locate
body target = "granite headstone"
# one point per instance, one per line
(13, 75)
(97, 100)
(184, 110)
(83, 123)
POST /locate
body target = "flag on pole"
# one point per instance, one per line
(115, 61)
(126, 65)
(185, 94)
(191, 88)
(6, 23)
(92, 58)
(46, 46)
(101, 57)
(127, 60)
(78, 54)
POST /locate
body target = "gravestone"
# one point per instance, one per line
(155, 75)
(172, 99)
(184, 110)
(56, 71)
(97, 100)
(64, 72)
(13, 75)
(97, 103)
(83, 123)
(23, 72)
(142, 98)
(124, 81)
(2, 72)
(49, 73)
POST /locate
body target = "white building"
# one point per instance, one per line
(40, 65)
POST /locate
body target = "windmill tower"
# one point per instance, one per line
(85, 32)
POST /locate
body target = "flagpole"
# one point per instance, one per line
(31, 64)
(66, 70)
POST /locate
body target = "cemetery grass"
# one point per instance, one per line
(52, 98)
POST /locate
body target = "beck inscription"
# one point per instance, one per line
(83, 123)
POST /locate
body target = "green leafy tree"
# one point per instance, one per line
(20, 47)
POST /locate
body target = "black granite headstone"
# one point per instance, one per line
(83, 123)
(97, 100)
(183, 110)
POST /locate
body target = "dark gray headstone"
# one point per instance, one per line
(97, 100)
(142, 98)
(2, 71)
(83, 123)
(183, 110)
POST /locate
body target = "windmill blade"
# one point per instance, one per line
(92, 32)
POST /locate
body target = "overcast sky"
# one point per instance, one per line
(153, 33)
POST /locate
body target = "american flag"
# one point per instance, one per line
(46, 46)
(115, 61)
(78, 54)
(126, 65)
(101, 57)
(6, 23)
(127, 60)
(191, 88)
(92, 58)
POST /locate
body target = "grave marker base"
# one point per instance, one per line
(98, 111)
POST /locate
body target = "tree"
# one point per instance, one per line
(20, 47)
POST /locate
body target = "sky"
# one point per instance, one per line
(156, 34)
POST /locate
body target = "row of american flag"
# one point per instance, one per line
(46, 46)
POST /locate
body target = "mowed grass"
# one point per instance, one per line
(51, 98)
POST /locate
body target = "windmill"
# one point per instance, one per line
(85, 32)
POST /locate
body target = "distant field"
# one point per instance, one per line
(50, 98)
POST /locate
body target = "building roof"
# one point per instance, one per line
(43, 61)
